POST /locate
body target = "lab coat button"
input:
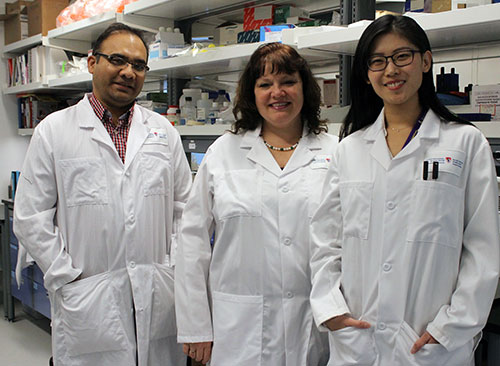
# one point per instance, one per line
(287, 241)
(131, 218)
(289, 294)
(132, 264)
(285, 189)
(387, 267)
(381, 326)
(127, 174)
(391, 205)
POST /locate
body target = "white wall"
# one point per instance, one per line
(12, 146)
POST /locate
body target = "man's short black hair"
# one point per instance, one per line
(119, 28)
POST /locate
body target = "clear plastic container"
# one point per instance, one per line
(188, 112)
(195, 94)
(202, 108)
(213, 114)
(221, 98)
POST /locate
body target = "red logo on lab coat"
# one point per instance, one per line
(448, 159)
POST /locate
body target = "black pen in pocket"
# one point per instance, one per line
(426, 170)
(435, 170)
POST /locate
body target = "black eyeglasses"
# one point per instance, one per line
(400, 59)
(121, 61)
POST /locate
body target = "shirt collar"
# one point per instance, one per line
(105, 116)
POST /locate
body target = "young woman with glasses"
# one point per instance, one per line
(405, 244)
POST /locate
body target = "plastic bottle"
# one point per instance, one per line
(202, 108)
(195, 94)
(172, 114)
(188, 112)
(221, 98)
(213, 114)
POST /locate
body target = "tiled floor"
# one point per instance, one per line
(24, 342)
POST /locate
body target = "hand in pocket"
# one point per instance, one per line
(344, 321)
(426, 338)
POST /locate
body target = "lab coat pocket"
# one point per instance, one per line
(436, 214)
(90, 316)
(84, 181)
(429, 354)
(356, 199)
(314, 180)
(156, 171)
(352, 346)
(238, 193)
(163, 312)
(237, 323)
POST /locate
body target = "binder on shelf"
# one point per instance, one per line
(33, 108)
(34, 65)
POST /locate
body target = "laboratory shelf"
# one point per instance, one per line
(219, 60)
(224, 9)
(86, 29)
(180, 9)
(203, 130)
(82, 80)
(460, 27)
(26, 88)
(25, 131)
(207, 62)
(22, 46)
(489, 129)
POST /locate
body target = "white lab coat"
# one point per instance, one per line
(249, 294)
(80, 210)
(407, 254)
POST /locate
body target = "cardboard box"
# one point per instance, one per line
(414, 5)
(436, 6)
(228, 34)
(256, 17)
(285, 11)
(16, 21)
(272, 33)
(42, 15)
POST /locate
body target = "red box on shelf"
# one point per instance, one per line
(255, 17)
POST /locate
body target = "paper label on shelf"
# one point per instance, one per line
(487, 99)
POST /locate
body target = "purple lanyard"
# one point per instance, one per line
(416, 126)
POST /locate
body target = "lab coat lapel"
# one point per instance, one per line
(137, 135)
(89, 120)
(428, 130)
(259, 153)
(375, 135)
(304, 153)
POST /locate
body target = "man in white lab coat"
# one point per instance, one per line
(102, 188)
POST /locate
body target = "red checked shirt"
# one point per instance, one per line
(119, 133)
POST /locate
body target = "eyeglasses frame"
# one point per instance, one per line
(392, 58)
(126, 59)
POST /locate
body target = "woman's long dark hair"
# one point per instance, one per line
(283, 59)
(366, 104)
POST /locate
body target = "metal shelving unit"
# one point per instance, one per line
(472, 27)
